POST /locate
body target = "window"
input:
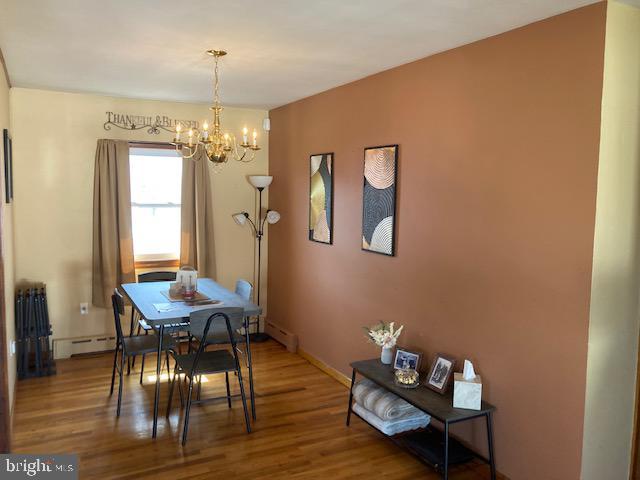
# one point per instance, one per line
(156, 179)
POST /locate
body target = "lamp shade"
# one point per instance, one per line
(260, 181)
(240, 218)
(273, 217)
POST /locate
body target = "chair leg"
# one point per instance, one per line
(226, 377)
(171, 384)
(180, 391)
(142, 369)
(250, 367)
(122, 355)
(242, 395)
(199, 386)
(186, 413)
(166, 354)
(113, 373)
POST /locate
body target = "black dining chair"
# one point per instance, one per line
(130, 346)
(244, 290)
(203, 323)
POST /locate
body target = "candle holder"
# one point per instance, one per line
(407, 378)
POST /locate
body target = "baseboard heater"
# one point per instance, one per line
(68, 347)
(281, 335)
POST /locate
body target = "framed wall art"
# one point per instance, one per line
(321, 198)
(379, 199)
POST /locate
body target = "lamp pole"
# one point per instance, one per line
(260, 182)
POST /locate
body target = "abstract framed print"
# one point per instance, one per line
(321, 198)
(379, 199)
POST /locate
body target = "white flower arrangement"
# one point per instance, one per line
(384, 334)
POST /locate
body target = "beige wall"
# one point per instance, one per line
(54, 143)
(7, 241)
(613, 326)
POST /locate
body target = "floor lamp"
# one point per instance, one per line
(260, 182)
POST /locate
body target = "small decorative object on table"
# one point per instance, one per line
(467, 388)
(407, 378)
(440, 373)
(188, 277)
(386, 337)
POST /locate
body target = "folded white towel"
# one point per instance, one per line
(362, 389)
(372, 397)
(393, 427)
(390, 407)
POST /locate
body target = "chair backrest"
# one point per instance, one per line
(118, 309)
(157, 277)
(244, 289)
(203, 323)
(211, 321)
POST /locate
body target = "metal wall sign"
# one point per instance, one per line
(153, 124)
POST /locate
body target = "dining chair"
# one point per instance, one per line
(244, 290)
(203, 323)
(130, 346)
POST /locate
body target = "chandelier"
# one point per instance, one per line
(216, 145)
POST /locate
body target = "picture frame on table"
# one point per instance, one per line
(440, 373)
(406, 359)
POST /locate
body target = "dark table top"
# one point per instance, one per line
(438, 406)
(145, 295)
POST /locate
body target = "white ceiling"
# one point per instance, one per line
(280, 50)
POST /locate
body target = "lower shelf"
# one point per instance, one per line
(428, 446)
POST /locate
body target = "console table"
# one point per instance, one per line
(430, 445)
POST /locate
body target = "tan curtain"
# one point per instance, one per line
(196, 236)
(113, 261)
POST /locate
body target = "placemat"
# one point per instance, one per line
(198, 297)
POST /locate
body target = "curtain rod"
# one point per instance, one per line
(165, 145)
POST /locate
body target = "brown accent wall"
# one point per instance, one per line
(496, 198)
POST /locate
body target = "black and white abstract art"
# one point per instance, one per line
(379, 202)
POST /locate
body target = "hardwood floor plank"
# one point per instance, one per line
(300, 431)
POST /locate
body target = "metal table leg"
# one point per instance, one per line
(492, 460)
(446, 451)
(250, 362)
(353, 379)
(158, 370)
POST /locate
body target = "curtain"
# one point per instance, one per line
(113, 261)
(196, 226)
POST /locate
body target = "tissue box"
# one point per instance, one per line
(467, 393)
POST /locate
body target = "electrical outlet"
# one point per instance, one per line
(84, 308)
(13, 347)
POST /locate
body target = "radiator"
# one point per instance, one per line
(67, 347)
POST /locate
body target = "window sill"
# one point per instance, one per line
(147, 264)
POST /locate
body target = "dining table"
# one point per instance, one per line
(151, 300)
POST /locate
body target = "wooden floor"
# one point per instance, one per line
(299, 434)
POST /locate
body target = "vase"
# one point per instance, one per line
(386, 355)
